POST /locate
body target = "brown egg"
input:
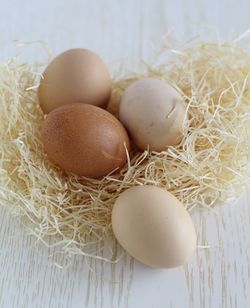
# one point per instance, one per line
(75, 76)
(85, 140)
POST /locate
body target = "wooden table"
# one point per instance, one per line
(125, 31)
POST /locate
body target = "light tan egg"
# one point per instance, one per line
(85, 140)
(153, 112)
(75, 76)
(153, 227)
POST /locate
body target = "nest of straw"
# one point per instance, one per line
(210, 165)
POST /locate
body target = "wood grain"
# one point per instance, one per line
(218, 276)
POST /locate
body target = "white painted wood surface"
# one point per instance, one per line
(125, 31)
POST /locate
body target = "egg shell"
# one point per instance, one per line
(153, 227)
(75, 76)
(153, 112)
(85, 140)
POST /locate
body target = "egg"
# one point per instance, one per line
(85, 140)
(153, 227)
(75, 76)
(153, 112)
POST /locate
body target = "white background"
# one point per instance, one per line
(125, 31)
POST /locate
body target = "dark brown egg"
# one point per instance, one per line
(85, 140)
(75, 76)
